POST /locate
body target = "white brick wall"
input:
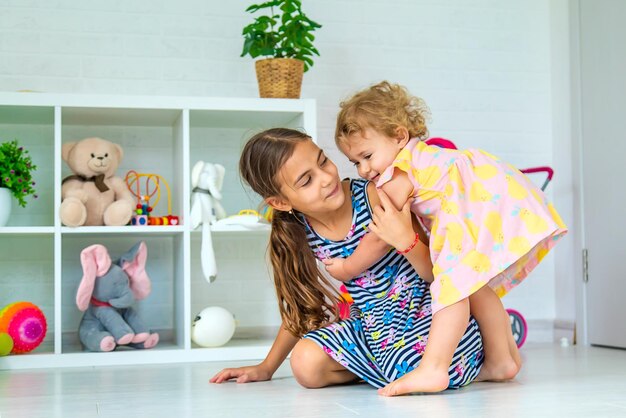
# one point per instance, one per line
(483, 66)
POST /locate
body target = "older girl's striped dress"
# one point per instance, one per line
(388, 329)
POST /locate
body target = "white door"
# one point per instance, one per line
(603, 105)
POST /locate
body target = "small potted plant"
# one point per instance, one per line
(16, 169)
(283, 33)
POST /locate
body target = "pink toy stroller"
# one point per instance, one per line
(518, 323)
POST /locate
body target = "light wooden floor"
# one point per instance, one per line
(555, 382)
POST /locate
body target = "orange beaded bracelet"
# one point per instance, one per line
(410, 247)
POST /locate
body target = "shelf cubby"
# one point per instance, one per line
(27, 274)
(40, 257)
(33, 128)
(164, 268)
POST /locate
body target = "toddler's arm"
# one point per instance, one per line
(370, 249)
(283, 344)
(398, 229)
(391, 225)
(419, 257)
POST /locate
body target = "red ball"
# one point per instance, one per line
(26, 325)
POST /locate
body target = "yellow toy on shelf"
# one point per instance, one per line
(246, 218)
(143, 210)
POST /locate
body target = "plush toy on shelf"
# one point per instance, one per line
(143, 210)
(22, 328)
(212, 327)
(106, 294)
(206, 209)
(93, 194)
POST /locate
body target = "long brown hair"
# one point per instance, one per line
(383, 107)
(305, 295)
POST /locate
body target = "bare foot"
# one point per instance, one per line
(492, 371)
(418, 380)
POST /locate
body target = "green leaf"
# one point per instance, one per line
(246, 46)
(288, 8)
(256, 7)
(292, 38)
(16, 167)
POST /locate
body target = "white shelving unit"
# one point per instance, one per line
(39, 258)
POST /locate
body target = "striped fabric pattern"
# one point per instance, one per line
(391, 315)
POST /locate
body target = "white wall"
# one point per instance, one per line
(489, 69)
(568, 257)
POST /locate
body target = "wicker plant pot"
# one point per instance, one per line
(279, 77)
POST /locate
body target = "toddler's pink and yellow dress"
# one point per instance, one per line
(488, 223)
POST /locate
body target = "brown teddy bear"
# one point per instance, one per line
(93, 195)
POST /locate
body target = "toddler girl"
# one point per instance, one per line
(488, 225)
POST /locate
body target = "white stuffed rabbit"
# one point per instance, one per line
(207, 180)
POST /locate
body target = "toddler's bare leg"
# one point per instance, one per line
(313, 368)
(446, 330)
(502, 359)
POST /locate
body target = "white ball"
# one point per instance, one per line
(213, 327)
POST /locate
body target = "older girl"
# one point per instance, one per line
(318, 216)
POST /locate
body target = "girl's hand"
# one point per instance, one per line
(248, 374)
(336, 267)
(391, 225)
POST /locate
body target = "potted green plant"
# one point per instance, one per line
(283, 33)
(16, 180)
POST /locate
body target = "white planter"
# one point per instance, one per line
(5, 205)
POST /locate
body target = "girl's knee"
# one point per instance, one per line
(308, 363)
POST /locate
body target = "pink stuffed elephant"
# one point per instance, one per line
(106, 294)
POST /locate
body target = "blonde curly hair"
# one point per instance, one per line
(383, 107)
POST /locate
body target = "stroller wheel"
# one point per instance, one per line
(518, 327)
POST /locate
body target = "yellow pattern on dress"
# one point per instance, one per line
(488, 155)
(541, 253)
(403, 160)
(454, 236)
(485, 171)
(449, 207)
(473, 229)
(437, 270)
(448, 293)
(556, 217)
(493, 222)
(423, 147)
(478, 193)
(519, 245)
(436, 241)
(400, 343)
(477, 286)
(477, 261)
(516, 190)
(429, 176)
(455, 177)
(534, 223)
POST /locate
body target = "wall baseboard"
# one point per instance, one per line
(547, 330)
